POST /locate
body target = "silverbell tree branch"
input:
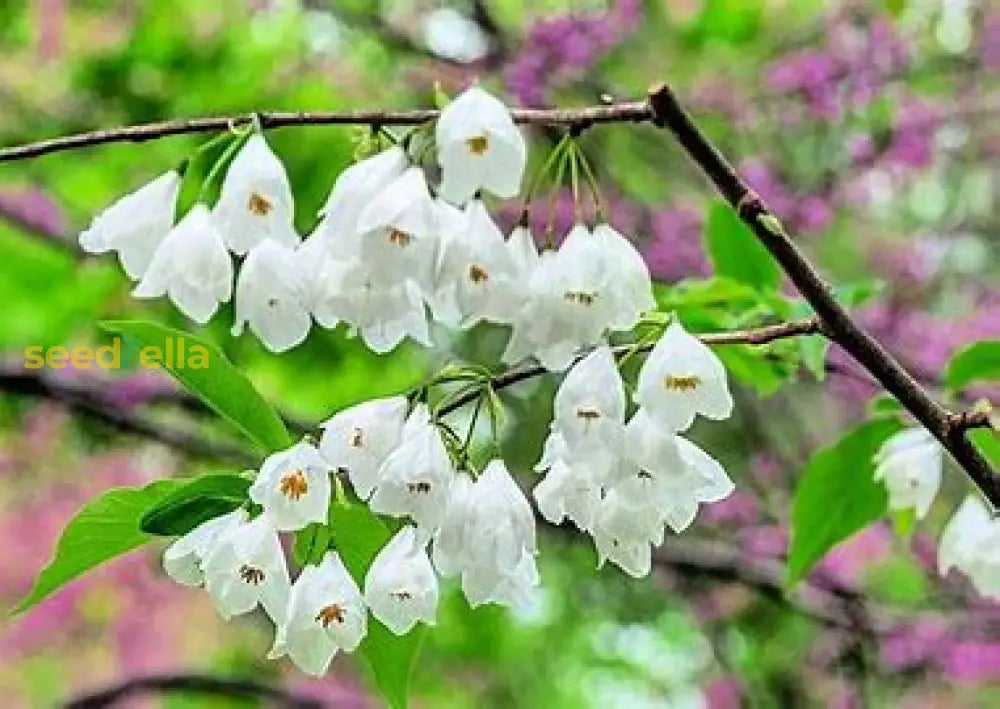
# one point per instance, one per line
(637, 111)
(948, 427)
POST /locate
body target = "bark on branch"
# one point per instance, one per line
(580, 118)
(836, 321)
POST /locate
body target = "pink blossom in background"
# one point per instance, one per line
(769, 541)
(971, 662)
(913, 132)
(675, 249)
(989, 50)
(739, 509)
(559, 49)
(723, 693)
(847, 563)
(913, 644)
(34, 208)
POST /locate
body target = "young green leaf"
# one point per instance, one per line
(735, 251)
(977, 362)
(219, 384)
(358, 536)
(837, 495)
(310, 544)
(198, 500)
(103, 528)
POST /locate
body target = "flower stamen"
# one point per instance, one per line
(251, 575)
(422, 486)
(478, 274)
(478, 144)
(682, 383)
(294, 485)
(259, 205)
(329, 614)
(400, 237)
(581, 297)
(357, 438)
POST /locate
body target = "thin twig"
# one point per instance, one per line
(192, 683)
(837, 322)
(635, 111)
(757, 336)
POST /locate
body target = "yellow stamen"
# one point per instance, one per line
(421, 486)
(357, 438)
(588, 414)
(329, 614)
(294, 485)
(478, 144)
(259, 205)
(399, 237)
(478, 274)
(581, 297)
(682, 383)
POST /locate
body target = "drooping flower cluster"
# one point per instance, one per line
(389, 253)
(624, 482)
(482, 530)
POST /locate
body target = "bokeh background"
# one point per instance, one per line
(872, 128)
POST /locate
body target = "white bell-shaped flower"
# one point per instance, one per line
(192, 266)
(681, 378)
(590, 404)
(326, 614)
(255, 202)
(357, 441)
(246, 567)
(136, 224)
(476, 269)
(671, 473)
(970, 543)
(401, 587)
(398, 233)
(356, 187)
(516, 588)
(570, 489)
(183, 559)
(632, 288)
(293, 487)
(270, 297)
(414, 480)
(383, 316)
(572, 302)
(487, 530)
(625, 532)
(479, 147)
(909, 463)
(524, 252)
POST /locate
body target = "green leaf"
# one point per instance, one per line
(219, 384)
(977, 362)
(765, 368)
(310, 544)
(813, 350)
(735, 251)
(836, 495)
(103, 528)
(358, 536)
(199, 500)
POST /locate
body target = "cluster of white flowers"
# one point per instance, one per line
(624, 482)
(482, 530)
(389, 255)
(386, 256)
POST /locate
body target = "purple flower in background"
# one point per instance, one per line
(723, 693)
(913, 132)
(34, 208)
(559, 49)
(675, 248)
(847, 562)
(971, 662)
(914, 644)
(989, 49)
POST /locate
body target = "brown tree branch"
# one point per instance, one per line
(757, 336)
(208, 685)
(635, 111)
(837, 322)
